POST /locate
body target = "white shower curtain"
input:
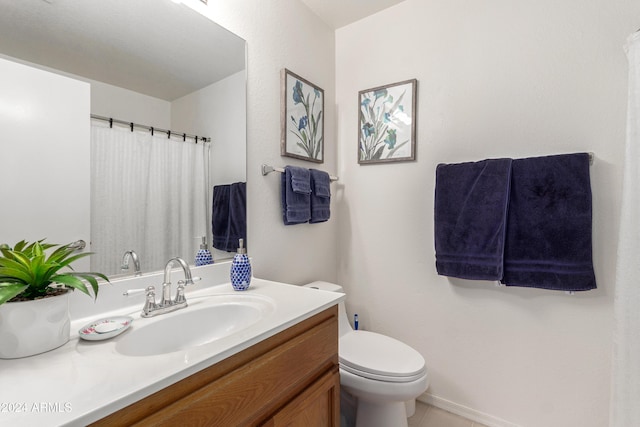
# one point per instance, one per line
(625, 401)
(148, 194)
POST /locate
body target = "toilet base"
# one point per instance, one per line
(377, 414)
(382, 404)
(410, 406)
(349, 405)
(348, 408)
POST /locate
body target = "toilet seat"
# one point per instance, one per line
(379, 357)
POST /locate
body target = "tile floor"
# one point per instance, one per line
(430, 416)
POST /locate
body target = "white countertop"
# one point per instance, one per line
(83, 381)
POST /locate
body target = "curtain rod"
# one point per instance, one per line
(151, 129)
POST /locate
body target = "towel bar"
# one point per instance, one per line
(266, 170)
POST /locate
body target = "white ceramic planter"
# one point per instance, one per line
(32, 327)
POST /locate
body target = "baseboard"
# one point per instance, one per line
(463, 411)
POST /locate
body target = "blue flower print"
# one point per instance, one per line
(304, 120)
(380, 93)
(381, 125)
(368, 129)
(306, 115)
(390, 140)
(298, 96)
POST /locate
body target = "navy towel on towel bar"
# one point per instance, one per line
(471, 202)
(296, 195)
(229, 216)
(320, 196)
(549, 224)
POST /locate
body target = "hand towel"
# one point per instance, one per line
(471, 202)
(220, 216)
(549, 224)
(320, 196)
(229, 216)
(296, 195)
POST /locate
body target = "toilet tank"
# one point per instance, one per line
(324, 286)
(343, 321)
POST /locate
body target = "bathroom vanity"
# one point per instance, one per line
(288, 379)
(281, 368)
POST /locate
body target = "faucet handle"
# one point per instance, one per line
(180, 298)
(150, 302)
(148, 290)
(131, 292)
(189, 282)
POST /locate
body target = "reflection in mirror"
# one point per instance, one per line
(154, 63)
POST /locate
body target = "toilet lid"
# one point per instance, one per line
(380, 357)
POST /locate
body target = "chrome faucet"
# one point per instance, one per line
(166, 285)
(166, 304)
(136, 262)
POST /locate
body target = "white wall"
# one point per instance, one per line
(279, 34)
(45, 190)
(218, 111)
(116, 102)
(124, 104)
(496, 79)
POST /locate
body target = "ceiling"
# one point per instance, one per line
(173, 53)
(167, 54)
(338, 13)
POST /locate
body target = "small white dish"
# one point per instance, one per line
(104, 329)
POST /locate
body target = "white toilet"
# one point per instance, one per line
(382, 373)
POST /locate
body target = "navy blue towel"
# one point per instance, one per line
(549, 224)
(471, 201)
(229, 216)
(320, 196)
(296, 195)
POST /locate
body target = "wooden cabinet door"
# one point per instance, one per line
(316, 406)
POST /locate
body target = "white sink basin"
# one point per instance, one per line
(205, 320)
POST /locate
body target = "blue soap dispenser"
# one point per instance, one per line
(241, 269)
(203, 257)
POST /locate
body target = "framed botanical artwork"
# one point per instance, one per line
(302, 118)
(387, 123)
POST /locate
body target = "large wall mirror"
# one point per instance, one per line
(153, 63)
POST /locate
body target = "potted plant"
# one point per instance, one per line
(34, 296)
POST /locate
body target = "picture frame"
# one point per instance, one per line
(387, 123)
(302, 118)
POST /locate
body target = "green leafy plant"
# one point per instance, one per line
(27, 272)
